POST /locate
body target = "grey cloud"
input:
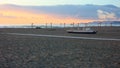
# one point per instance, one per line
(106, 15)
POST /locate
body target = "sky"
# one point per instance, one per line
(60, 2)
(16, 16)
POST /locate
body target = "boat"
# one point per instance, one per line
(83, 31)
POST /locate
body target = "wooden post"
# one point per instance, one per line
(78, 26)
(60, 25)
(46, 25)
(85, 25)
(100, 25)
(32, 25)
(111, 24)
(73, 24)
(64, 25)
(51, 25)
(105, 24)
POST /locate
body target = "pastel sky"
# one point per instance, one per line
(59, 2)
(17, 15)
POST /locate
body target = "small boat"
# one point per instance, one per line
(83, 31)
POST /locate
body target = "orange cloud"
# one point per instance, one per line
(25, 17)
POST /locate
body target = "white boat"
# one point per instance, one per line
(83, 31)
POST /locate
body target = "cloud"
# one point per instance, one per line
(106, 15)
(57, 14)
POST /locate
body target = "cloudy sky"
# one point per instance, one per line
(57, 11)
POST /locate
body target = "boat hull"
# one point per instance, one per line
(82, 32)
